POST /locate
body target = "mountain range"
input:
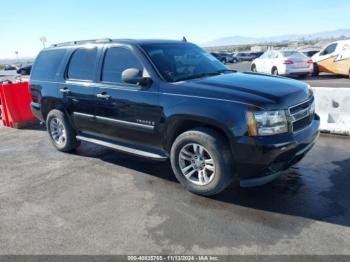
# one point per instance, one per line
(245, 40)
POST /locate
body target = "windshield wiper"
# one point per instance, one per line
(226, 71)
(199, 75)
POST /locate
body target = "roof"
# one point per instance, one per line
(108, 40)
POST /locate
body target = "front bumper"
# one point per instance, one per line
(258, 160)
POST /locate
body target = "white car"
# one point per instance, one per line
(284, 62)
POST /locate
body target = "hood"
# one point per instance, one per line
(264, 91)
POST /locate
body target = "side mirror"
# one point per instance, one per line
(134, 76)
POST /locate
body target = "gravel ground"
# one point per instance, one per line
(97, 201)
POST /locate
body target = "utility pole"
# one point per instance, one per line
(43, 40)
(16, 53)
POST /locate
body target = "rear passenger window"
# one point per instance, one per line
(47, 65)
(82, 64)
(116, 60)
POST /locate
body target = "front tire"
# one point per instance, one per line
(274, 71)
(253, 68)
(202, 161)
(60, 131)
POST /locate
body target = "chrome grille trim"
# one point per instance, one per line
(302, 114)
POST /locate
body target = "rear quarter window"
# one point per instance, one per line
(46, 66)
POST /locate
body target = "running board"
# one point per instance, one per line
(124, 148)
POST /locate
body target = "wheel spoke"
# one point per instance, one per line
(185, 169)
(210, 168)
(209, 161)
(188, 175)
(196, 164)
(185, 156)
(200, 177)
(205, 176)
(201, 150)
(195, 148)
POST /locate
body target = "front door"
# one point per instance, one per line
(125, 111)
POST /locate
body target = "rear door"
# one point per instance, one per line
(125, 111)
(77, 90)
(343, 60)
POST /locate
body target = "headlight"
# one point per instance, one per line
(266, 123)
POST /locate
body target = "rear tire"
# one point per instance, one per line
(60, 131)
(207, 173)
(316, 71)
(274, 71)
(253, 68)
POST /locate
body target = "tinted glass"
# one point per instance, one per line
(176, 61)
(82, 64)
(47, 64)
(116, 60)
(329, 49)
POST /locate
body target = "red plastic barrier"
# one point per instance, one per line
(15, 100)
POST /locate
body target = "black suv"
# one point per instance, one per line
(173, 100)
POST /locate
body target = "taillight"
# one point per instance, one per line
(287, 62)
(309, 61)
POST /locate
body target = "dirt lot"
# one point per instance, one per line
(101, 202)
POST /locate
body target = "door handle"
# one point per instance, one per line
(103, 95)
(65, 90)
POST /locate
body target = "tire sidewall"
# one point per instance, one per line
(274, 71)
(253, 69)
(70, 142)
(215, 149)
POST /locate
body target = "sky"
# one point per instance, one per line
(25, 21)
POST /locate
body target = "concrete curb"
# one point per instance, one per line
(333, 106)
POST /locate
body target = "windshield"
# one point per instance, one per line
(183, 61)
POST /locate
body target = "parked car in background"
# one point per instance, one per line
(334, 58)
(163, 99)
(10, 68)
(25, 70)
(222, 57)
(287, 62)
(244, 57)
(256, 54)
(232, 58)
(310, 53)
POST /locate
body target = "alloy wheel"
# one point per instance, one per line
(58, 131)
(196, 164)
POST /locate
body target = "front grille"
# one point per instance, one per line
(302, 123)
(301, 115)
(300, 107)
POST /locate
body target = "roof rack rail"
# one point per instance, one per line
(81, 42)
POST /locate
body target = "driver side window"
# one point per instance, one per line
(116, 60)
(329, 49)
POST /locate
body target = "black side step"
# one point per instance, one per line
(127, 148)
